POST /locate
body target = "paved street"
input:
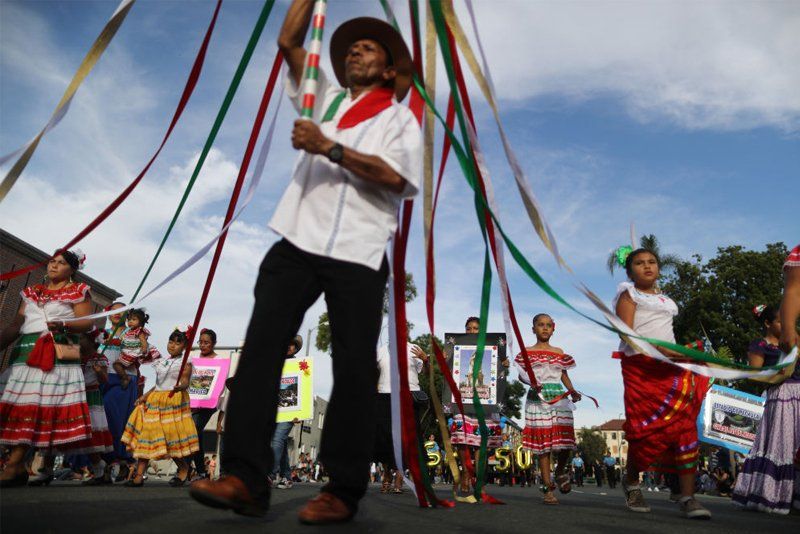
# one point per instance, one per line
(158, 508)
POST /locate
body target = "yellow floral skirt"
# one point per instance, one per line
(162, 428)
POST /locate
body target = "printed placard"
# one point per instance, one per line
(296, 393)
(730, 418)
(485, 382)
(207, 381)
(460, 350)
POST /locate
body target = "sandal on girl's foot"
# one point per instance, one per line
(564, 485)
(397, 491)
(133, 484)
(549, 498)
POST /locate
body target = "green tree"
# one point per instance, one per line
(591, 445)
(649, 242)
(323, 339)
(718, 296)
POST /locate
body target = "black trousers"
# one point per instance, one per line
(579, 476)
(289, 282)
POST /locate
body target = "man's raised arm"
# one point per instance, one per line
(293, 33)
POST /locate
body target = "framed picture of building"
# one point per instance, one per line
(490, 381)
(296, 394)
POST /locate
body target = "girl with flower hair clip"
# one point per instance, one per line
(161, 426)
(662, 401)
(42, 393)
(549, 427)
(769, 480)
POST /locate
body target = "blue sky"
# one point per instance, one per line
(681, 117)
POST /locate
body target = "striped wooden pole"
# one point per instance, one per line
(311, 71)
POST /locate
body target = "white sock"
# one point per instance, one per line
(685, 499)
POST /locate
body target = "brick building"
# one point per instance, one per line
(15, 254)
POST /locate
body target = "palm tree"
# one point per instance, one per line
(649, 242)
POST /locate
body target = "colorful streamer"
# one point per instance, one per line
(251, 191)
(237, 189)
(226, 103)
(89, 61)
(191, 83)
(717, 368)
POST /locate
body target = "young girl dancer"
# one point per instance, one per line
(661, 400)
(549, 427)
(768, 481)
(161, 426)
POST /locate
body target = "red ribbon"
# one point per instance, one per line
(425, 494)
(194, 76)
(367, 107)
(43, 353)
(237, 189)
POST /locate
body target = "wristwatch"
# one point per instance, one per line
(336, 153)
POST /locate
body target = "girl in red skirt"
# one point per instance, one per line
(662, 401)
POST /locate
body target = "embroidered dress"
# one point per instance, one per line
(662, 401)
(769, 480)
(44, 409)
(548, 427)
(101, 440)
(131, 349)
(163, 426)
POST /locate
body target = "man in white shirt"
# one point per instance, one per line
(335, 217)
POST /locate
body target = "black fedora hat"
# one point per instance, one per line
(371, 28)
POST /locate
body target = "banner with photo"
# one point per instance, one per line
(296, 395)
(460, 350)
(208, 381)
(730, 418)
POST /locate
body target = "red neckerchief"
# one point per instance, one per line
(370, 105)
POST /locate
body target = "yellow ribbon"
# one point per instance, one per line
(97, 49)
(430, 125)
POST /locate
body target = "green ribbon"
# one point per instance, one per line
(226, 104)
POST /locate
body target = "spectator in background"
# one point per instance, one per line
(577, 464)
(598, 473)
(610, 464)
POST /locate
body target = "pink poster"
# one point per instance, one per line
(208, 381)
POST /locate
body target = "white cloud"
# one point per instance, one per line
(717, 65)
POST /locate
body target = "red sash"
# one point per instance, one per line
(370, 105)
